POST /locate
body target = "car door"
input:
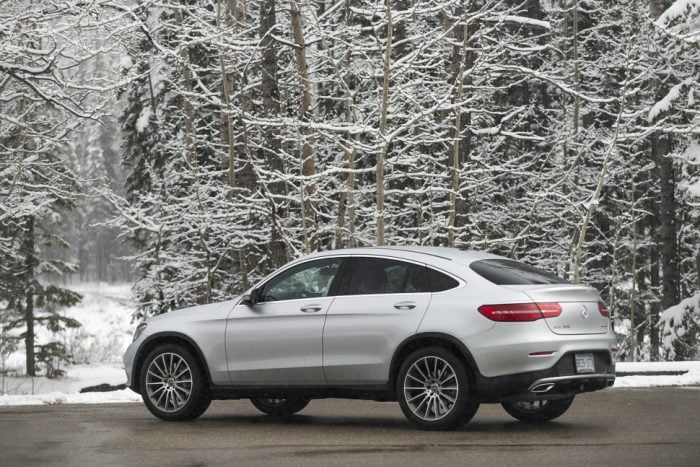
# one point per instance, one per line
(380, 302)
(278, 341)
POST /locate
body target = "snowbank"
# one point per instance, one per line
(53, 398)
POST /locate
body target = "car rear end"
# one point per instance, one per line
(552, 339)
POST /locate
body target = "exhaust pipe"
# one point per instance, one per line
(541, 388)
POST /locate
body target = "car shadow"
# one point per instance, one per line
(391, 423)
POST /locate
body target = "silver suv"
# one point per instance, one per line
(438, 329)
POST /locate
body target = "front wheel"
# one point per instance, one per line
(280, 407)
(173, 384)
(433, 390)
(538, 411)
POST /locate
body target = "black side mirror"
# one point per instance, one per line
(252, 298)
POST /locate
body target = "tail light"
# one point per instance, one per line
(603, 309)
(520, 311)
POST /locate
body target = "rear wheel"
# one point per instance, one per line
(280, 407)
(433, 390)
(538, 411)
(173, 384)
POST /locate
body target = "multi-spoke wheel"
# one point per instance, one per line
(173, 385)
(280, 407)
(433, 390)
(538, 411)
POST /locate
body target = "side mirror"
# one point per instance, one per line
(252, 298)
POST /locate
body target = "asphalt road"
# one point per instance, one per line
(612, 427)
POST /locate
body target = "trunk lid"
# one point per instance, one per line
(579, 307)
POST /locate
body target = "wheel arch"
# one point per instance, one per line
(438, 339)
(166, 338)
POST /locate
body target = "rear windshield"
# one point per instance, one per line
(509, 272)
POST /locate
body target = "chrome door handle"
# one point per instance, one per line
(405, 305)
(310, 308)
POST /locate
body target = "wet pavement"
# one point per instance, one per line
(613, 427)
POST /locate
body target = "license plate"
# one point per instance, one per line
(584, 363)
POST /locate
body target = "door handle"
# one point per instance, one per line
(405, 305)
(311, 308)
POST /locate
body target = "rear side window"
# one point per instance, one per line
(439, 281)
(509, 272)
(385, 276)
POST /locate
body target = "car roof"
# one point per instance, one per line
(415, 252)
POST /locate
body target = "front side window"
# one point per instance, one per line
(306, 280)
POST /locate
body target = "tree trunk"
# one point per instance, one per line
(382, 127)
(271, 109)
(228, 137)
(460, 152)
(661, 146)
(30, 263)
(189, 110)
(654, 280)
(307, 153)
(697, 270)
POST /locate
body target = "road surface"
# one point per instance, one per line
(613, 427)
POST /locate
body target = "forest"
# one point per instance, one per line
(192, 146)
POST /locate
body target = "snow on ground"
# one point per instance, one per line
(691, 378)
(53, 398)
(97, 347)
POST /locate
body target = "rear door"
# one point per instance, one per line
(380, 302)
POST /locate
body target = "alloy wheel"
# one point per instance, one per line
(169, 382)
(431, 388)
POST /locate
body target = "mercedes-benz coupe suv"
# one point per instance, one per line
(437, 329)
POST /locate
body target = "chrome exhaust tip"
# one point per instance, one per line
(540, 388)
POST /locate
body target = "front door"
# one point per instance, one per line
(279, 341)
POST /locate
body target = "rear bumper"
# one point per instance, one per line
(558, 382)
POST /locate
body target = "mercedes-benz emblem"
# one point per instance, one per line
(584, 312)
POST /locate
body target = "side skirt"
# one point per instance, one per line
(383, 393)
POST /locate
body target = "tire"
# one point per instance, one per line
(173, 384)
(280, 407)
(433, 389)
(538, 411)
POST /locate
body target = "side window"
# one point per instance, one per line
(307, 280)
(439, 281)
(384, 276)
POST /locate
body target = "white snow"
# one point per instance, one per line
(665, 103)
(144, 118)
(52, 398)
(679, 8)
(521, 20)
(672, 319)
(648, 367)
(691, 378)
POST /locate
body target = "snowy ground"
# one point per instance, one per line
(105, 314)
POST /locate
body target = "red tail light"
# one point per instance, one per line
(603, 309)
(520, 311)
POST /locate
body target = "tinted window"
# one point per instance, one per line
(509, 272)
(383, 276)
(312, 279)
(439, 281)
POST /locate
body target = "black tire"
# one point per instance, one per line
(539, 411)
(445, 408)
(155, 389)
(280, 407)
